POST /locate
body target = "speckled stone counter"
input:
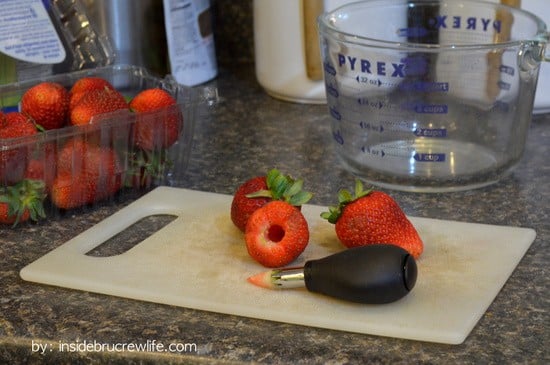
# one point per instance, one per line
(246, 134)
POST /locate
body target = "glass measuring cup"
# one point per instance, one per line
(430, 96)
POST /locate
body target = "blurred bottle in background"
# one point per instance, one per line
(170, 36)
(135, 29)
(190, 39)
(39, 38)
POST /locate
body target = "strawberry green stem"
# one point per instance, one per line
(25, 195)
(345, 197)
(283, 187)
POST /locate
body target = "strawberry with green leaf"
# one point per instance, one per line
(258, 191)
(370, 217)
(22, 201)
(146, 168)
(13, 156)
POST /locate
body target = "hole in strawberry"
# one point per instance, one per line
(275, 233)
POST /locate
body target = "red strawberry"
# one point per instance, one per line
(68, 191)
(2, 119)
(22, 201)
(47, 104)
(13, 159)
(260, 190)
(86, 174)
(84, 85)
(372, 217)
(276, 234)
(158, 130)
(18, 125)
(243, 207)
(42, 164)
(96, 102)
(70, 158)
(88, 83)
(103, 172)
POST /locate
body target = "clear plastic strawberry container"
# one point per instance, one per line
(51, 157)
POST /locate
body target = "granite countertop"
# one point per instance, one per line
(247, 133)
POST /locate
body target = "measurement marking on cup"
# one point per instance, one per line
(329, 69)
(424, 86)
(507, 70)
(365, 80)
(373, 151)
(431, 109)
(337, 135)
(390, 151)
(504, 85)
(422, 108)
(403, 152)
(429, 157)
(332, 90)
(335, 113)
(376, 104)
(430, 132)
(371, 127)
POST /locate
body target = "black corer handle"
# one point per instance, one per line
(373, 274)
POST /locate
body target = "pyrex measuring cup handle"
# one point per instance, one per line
(546, 52)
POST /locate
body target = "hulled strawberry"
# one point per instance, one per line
(47, 104)
(258, 191)
(276, 234)
(370, 217)
(13, 158)
(22, 201)
(96, 102)
(84, 85)
(158, 130)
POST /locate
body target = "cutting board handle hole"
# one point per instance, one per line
(131, 236)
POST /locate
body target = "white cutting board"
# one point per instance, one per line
(200, 261)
